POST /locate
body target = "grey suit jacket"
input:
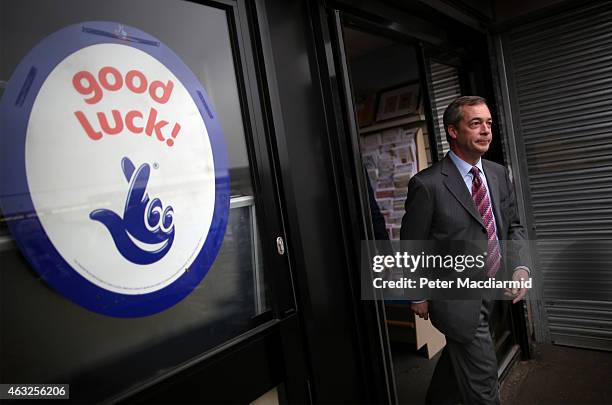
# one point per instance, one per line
(440, 207)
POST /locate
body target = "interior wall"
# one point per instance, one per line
(384, 68)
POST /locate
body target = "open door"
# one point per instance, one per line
(384, 92)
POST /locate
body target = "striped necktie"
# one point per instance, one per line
(481, 199)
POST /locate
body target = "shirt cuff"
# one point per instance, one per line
(522, 268)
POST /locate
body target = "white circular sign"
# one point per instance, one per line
(120, 146)
(113, 169)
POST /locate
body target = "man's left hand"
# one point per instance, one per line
(517, 293)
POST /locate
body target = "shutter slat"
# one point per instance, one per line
(445, 88)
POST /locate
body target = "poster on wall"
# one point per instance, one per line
(113, 169)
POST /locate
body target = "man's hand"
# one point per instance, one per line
(518, 294)
(420, 309)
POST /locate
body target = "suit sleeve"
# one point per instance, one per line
(517, 240)
(416, 222)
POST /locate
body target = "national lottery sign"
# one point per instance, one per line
(113, 169)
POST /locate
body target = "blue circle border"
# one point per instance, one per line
(15, 200)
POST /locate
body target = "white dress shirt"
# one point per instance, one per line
(464, 169)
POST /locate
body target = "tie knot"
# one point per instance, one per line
(475, 171)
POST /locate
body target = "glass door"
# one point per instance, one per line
(386, 99)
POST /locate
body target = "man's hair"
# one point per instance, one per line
(454, 111)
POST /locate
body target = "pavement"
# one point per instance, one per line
(556, 375)
(560, 375)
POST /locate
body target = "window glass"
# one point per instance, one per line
(392, 129)
(52, 340)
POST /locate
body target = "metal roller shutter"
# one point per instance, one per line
(445, 87)
(561, 70)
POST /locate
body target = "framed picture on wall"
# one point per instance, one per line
(398, 102)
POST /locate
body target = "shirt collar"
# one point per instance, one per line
(463, 166)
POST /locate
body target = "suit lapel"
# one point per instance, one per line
(455, 184)
(494, 193)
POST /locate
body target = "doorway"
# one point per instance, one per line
(400, 87)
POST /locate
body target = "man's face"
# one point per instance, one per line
(473, 134)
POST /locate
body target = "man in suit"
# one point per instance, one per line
(464, 197)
